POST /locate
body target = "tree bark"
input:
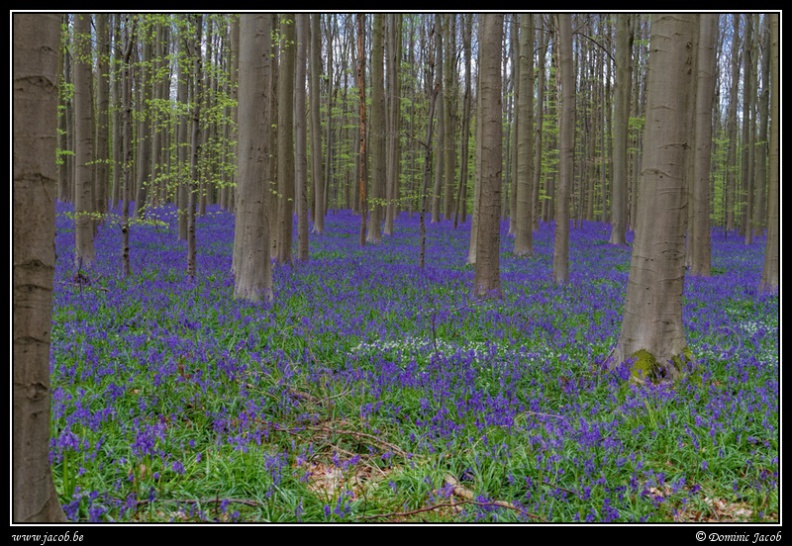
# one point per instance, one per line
(487, 277)
(652, 330)
(285, 145)
(566, 149)
(770, 272)
(83, 136)
(362, 171)
(301, 138)
(36, 45)
(523, 240)
(253, 273)
(316, 128)
(621, 116)
(377, 131)
(705, 95)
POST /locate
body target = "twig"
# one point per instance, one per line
(396, 449)
(501, 504)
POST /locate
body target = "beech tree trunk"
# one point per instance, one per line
(523, 240)
(377, 131)
(770, 280)
(621, 116)
(301, 138)
(83, 136)
(285, 145)
(253, 273)
(487, 278)
(652, 330)
(566, 150)
(36, 46)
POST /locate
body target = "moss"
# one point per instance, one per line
(644, 367)
(647, 368)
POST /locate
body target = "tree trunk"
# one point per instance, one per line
(731, 161)
(377, 131)
(102, 113)
(566, 149)
(770, 277)
(286, 138)
(760, 162)
(621, 116)
(253, 273)
(652, 330)
(394, 119)
(523, 240)
(749, 76)
(361, 82)
(83, 136)
(301, 140)
(36, 45)
(182, 136)
(705, 95)
(316, 129)
(439, 166)
(196, 147)
(487, 277)
(461, 208)
(126, 196)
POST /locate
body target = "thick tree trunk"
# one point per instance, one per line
(652, 330)
(487, 277)
(36, 45)
(252, 273)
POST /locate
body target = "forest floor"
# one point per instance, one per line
(370, 390)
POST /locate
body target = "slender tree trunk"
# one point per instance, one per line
(316, 129)
(361, 82)
(394, 119)
(377, 131)
(705, 95)
(621, 115)
(102, 113)
(487, 277)
(196, 147)
(449, 111)
(523, 240)
(83, 136)
(464, 153)
(652, 330)
(433, 92)
(129, 44)
(731, 187)
(301, 140)
(747, 131)
(438, 174)
(182, 137)
(36, 46)
(760, 162)
(253, 273)
(144, 130)
(566, 149)
(770, 273)
(286, 138)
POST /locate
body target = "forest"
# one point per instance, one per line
(407, 268)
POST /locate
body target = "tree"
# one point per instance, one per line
(621, 114)
(129, 42)
(301, 138)
(523, 239)
(362, 171)
(377, 130)
(487, 276)
(197, 83)
(315, 68)
(566, 149)
(393, 52)
(770, 272)
(36, 46)
(705, 95)
(652, 330)
(285, 147)
(83, 136)
(252, 273)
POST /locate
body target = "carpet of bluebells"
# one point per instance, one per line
(370, 390)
